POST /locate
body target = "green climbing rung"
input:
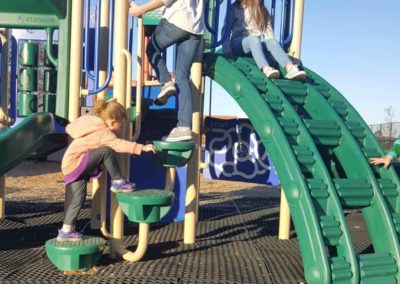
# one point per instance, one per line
(356, 129)
(341, 270)
(304, 155)
(289, 126)
(152, 18)
(318, 188)
(326, 132)
(354, 192)
(296, 95)
(75, 255)
(388, 188)
(377, 268)
(339, 106)
(330, 229)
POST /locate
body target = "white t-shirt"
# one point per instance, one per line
(185, 14)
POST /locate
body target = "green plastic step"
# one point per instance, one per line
(304, 155)
(330, 229)
(356, 129)
(325, 132)
(173, 154)
(289, 126)
(75, 255)
(318, 189)
(377, 268)
(396, 222)
(274, 102)
(295, 94)
(147, 205)
(341, 270)
(339, 106)
(354, 192)
(388, 188)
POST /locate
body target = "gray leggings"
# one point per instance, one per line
(75, 192)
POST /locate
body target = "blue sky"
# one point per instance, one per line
(355, 46)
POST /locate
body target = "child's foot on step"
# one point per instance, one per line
(122, 185)
(69, 235)
(295, 74)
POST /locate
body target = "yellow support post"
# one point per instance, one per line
(75, 60)
(99, 185)
(193, 172)
(170, 179)
(295, 51)
(295, 46)
(4, 119)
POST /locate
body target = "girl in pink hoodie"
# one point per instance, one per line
(95, 143)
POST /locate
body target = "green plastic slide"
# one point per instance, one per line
(18, 143)
(320, 148)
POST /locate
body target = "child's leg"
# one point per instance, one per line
(75, 195)
(164, 36)
(186, 52)
(278, 53)
(253, 45)
(106, 156)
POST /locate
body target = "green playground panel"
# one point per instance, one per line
(173, 154)
(146, 206)
(75, 255)
(319, 146)
(48, 15)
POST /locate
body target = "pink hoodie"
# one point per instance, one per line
(89, 133)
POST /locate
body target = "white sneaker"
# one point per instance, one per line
(179, 134)
(166, 91)
(271, 73)
(295, 74)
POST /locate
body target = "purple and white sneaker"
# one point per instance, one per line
(71, 235)
(123, 185)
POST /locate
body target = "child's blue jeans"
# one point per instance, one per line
(188, 50)
(258, 49)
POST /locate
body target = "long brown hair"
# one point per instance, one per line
(258, 13)
(110, 110)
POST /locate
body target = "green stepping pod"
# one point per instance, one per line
(146, 206)
(173, 154)
(73, 256)
(320, 147)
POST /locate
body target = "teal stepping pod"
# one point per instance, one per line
(146, 206)
(76, 255)
(173, 154)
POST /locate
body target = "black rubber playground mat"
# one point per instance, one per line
(236, 243)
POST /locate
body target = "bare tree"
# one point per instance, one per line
(389, 119)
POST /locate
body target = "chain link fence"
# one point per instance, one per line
(386, 133)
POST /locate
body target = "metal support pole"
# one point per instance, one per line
(295, 51)
(75, 60)
(120, 44)
(99, 185)
(193, 171)
(295, 47)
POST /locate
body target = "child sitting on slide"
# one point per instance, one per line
(95, 143)
(251, 33)
(393, 153)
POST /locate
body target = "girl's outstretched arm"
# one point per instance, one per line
(393, 153)
(137, 10)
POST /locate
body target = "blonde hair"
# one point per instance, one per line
(110, 110)
(258, 13)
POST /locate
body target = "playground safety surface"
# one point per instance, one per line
(236, 243)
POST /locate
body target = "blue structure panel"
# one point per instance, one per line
(235, 152)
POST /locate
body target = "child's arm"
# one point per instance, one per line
(393, 153)
(138, 10)
(109, 139)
